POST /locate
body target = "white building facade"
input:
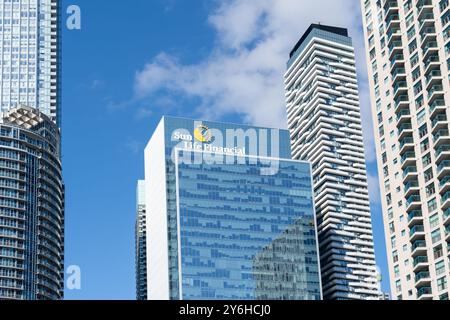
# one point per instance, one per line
(325, 126)
(408, 47)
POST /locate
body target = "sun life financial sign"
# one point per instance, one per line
(204, 140)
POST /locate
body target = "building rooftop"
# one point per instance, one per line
(336, 30)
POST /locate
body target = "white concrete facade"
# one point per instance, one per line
(407, 44)
(324, 120)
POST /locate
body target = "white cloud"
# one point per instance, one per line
(244, 71)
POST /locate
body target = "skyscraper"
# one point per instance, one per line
(325, 128)
(30, 51)
(31, 185)
(408, 60)
(232, 216)
(31, 207)
(141, 243)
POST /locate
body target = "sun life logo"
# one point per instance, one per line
(203, 134)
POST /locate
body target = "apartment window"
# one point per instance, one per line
(442, 284)
(421, 117)
(426, 160)
(440, 267)
(393, 242)
(405, 248)
(390, 214)
(417, 88)
(434, 221)
(432, 205)
(411, 33)
(384, 157)
(416, 74)
(381, 131)
(392, 229)
(437, 253)
(423, 131)
(424, 145)
(398, 286)
(386, 171)
(419, 102)
(409, 20)
(428, 175)
(412, 46)
(430, 190)
(436, 236)
(407, 5)
(397, 271)
(414, 61)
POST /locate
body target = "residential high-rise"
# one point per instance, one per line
(141, 243)
(325, 128)
(408, 60)
(31, 207)
(232, 216)
(30, 56)
(31, 186)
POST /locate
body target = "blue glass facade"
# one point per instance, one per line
(241, 228)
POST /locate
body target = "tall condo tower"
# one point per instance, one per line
(31, 207)
(232, 216)
(408, 45)
(141, 242)
(31, 184)
(30, 56)
(325, 128)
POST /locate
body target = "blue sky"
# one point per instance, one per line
(131, 64)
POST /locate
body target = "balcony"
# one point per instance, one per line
(420, 263)
(409, 173)
(412, 187)
(424, 7)
(400, 87)
(435, 92)
(406, 144)
(422, 278)
(441, 136)
(445, 201)
(392, 21)
(395, 47)
(419, 247)
(439, 122)
(444, 184)
(394, 34)
(417, 232)
(401, 102)
(403, 115)
(425, 293)
(408, 159)
(397, 75)
(426, 20)
(446, 216)
(442, 153)
(415, 217)
(432, 78)
(443, 169)
(447, 233)
(429, 48)
(431, 62)
(397, 61)
(437, 106)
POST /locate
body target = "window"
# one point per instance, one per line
(440, 267)
(436, 236)
(442, 284)
(438, 252)
(432, 205)
(434, 221)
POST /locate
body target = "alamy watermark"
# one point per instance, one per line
(73, 21)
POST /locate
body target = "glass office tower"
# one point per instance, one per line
(30, 51)
(232, 217)
(31, 207)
